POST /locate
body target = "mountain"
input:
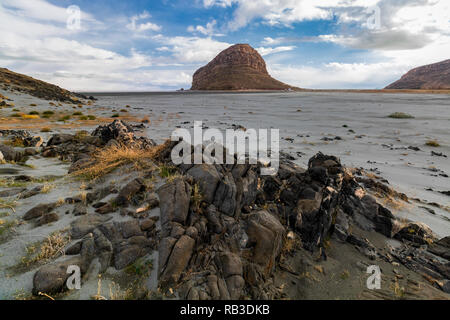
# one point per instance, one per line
(240, 67)
(13, 81)
(433, 76)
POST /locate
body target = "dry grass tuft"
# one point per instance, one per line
(30, 116)
(107, 159)
(432, 143)
(50, 248)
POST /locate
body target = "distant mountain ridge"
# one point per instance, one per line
(14, 81)
(434, 76)
(240, 67)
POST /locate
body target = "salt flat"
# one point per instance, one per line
(370, 139)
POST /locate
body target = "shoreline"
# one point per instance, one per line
(380, 91)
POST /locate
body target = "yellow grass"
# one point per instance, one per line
(30, 116)
(432, 143)
(107, 159)
(51, 247)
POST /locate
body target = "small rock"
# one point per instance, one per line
(47, 218)
(39, 211)
(79, 209)
(86, 224)
(147, 224)
(130, 229)
(11, 192)
(107, 208)
(125, 195)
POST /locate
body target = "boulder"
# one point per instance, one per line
(129, 190)
(39, 210)
(130, 229)
(267, 234)
(79, 209)
(416, 232)
(127, 256)
(10, 154)
(34, 142)
(207, 178)
(178, 260)
(52, 278)
(441, 248)
(174, 199)
(123, 133)
(225, 198)
(11, 192)
(47, 218)
(86, 224)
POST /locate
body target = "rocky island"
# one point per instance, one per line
(240, 67)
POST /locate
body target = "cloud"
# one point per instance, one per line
(339, 75)
(140, 27)
(192, 49)
(265, 51)
(101, 55)
(40, 10)
(208, 30)
(382, 40)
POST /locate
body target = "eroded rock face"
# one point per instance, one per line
(240, 67)
(433, 76)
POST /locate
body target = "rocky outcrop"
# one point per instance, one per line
(240, 67)
(78, 148)
(226, 231)
(433, 76)
(122, 133)
(236, 236)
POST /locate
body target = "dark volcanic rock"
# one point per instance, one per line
(433, 76)
(240, 67)
(39, 211)
(122, 133)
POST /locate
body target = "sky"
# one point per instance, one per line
(153, 45)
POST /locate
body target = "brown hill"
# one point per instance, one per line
(13, 81)
(240, 67)
(434, 76)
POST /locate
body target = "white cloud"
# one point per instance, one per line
(265, 51)
(208, 30)
(339, 75)
(192, 49)
(139, 27)
(40, 10)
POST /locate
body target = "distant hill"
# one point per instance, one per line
(13, 81)
(434, 76)
(240, 67)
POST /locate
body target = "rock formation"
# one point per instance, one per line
(240, 67)
(434, 76)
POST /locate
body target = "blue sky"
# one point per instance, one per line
(157, 45)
